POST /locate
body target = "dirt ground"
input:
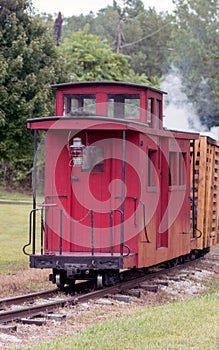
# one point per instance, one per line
(24, 281)
(188, 283)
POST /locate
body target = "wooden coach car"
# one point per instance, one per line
(117, 185)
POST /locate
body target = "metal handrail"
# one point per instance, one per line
(92, 230)
(32, 228)
(43, 208)
(122, 245)
(144, 219)
(135, 206)
(30, 234)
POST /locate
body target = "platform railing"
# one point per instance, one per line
(33, 219)
(32, 232)
(43, 221)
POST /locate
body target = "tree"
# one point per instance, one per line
(147, 42)
(90, 58)
(29, 63)
(106, 25)
(144, 34)
(195, 41)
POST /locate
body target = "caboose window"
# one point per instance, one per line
(79, 104)
(93, 159)
(150, 111)
(182, 162)
(172, 168)
(158, 113)
(152, 165)
(124, 106)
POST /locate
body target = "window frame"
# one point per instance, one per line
(152, 168)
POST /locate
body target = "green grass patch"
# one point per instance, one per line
(14, 195)
(13, 236)
(192, 324)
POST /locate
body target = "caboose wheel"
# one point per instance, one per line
(59, 281)
(99, 281)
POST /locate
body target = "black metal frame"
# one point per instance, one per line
(83, 263)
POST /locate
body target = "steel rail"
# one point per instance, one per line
(132, 283)
(31, 311)
(19, 299)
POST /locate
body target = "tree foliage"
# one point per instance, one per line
(90, 58)
(195, 40)
(146, 41)
(29, 63)
(144, 34)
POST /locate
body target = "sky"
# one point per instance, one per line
(70, 7)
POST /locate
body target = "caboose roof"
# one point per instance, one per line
(102, 123)
(109, 83)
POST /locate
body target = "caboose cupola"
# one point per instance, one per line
(111, 99)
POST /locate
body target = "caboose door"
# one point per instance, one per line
(103, 197)
(92, 193)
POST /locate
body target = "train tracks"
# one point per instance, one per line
(26, 297)
(42, 303)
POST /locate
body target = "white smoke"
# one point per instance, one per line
(178, 111)
(213, 133)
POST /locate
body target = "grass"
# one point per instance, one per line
(13, 236)
(14, 231)
(12, 195)
(192, 324)
(15, 275)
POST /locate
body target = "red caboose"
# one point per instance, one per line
(117, 184)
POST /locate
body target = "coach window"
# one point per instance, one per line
(150, 111)
(80, 104)
(182, 167)
(124, 106)
(152, 165)
(172, 168)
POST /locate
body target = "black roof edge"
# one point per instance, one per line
(109, 82)
(101, 118)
